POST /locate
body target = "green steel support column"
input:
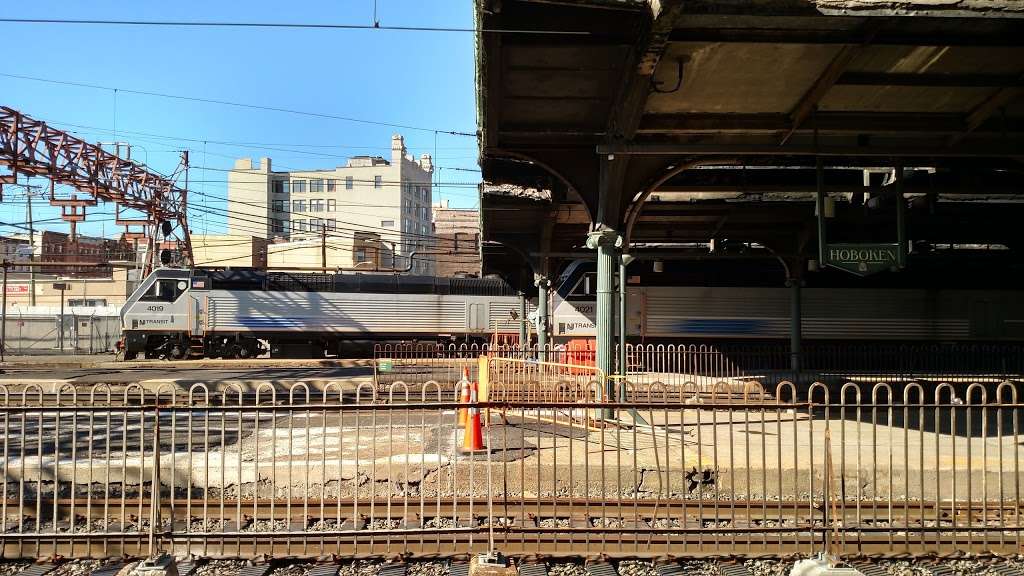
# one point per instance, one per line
(542, 316)
(607, 243)
(523, 334)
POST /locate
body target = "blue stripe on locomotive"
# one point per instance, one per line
(721, 326)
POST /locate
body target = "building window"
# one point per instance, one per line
(316, 185)
(378, 182)
(316, 205)
(425, 192)
(277, 225)
(332, 204)
(360, 255)
(278, 205)
(332, 224)
(387, 223)
(316, 225)
(298, 206)
(299, 226)
(332, 185)
(281, 187)
(90, 302)
(348, 182)
(298, 186)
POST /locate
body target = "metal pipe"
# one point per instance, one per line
(623, 262)
(901, 216)
(522, 319)
(542, 316)
(795, 326)
(819, 203)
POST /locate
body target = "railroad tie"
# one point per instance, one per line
(261, 569)
(940, 570)
(36, 570)
(735, 569)
(112, 569)
(393, 569)
(187, 567)
(1007, 569)
(459, 569)
(533, 569)
(668, 569)
(323, 570)
(601, 569)
(870, 569)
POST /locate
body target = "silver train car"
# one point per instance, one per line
(244, 313)
(676, 314)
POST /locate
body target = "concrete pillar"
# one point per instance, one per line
(795, 328)
(542, 315)
(607, 243)
(523, 333)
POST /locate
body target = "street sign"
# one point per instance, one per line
(60, 286)
(862, 259)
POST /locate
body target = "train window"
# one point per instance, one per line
(585, 286)
(165, 290)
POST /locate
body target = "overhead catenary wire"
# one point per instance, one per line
(237, 104)
(294, 25)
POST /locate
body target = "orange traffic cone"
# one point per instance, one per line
(464, 396)
(473, 436)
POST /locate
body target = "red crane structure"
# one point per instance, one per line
(150, 206)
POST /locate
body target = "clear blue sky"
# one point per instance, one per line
(412, 78)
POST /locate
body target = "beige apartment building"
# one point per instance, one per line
(372, 209)
(228, 250)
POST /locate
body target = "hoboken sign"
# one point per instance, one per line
(863, 259)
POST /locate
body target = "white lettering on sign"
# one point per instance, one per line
(873, 255)
(17, 289)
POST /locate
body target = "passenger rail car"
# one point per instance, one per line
(239, 313)
(678, 314)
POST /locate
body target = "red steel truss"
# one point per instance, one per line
(29, 147)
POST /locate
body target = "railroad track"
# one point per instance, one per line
(624, 529)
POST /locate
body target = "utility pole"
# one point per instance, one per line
(32, 250)
(3, 316)
(323, 248)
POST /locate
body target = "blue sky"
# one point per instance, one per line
(422, 79)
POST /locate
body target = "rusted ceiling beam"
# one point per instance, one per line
(928, 80)
(826, 37)
(852, 122)
(808, 103)
(1008, 150)
(988, 107)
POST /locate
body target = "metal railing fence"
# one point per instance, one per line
(877, 470)
(708, 364)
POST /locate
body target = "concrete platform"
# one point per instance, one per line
(375, 451)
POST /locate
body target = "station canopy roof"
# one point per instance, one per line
(701, 120)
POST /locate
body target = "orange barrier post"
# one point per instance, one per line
(464, 396)
(473, 436)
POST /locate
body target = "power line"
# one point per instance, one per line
(295, 25)
(235, 104)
